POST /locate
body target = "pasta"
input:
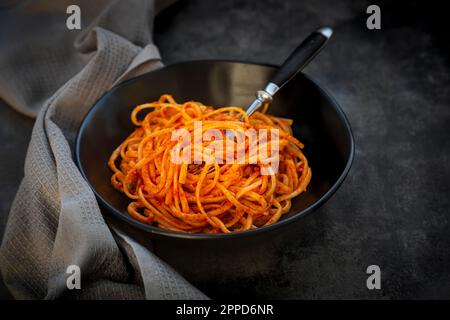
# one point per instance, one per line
(207, 196)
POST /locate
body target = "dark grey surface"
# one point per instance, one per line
(393, 209)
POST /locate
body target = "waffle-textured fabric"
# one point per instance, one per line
(57, 74)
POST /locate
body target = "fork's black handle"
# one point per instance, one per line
(302, 55)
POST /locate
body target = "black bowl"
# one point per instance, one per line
(318, 122)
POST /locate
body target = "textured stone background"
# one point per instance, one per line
(393, 84)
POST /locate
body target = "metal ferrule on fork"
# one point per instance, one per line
(262, 96)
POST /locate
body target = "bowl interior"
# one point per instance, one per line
(318, 123)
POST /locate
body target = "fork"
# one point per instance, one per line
(297, 61)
